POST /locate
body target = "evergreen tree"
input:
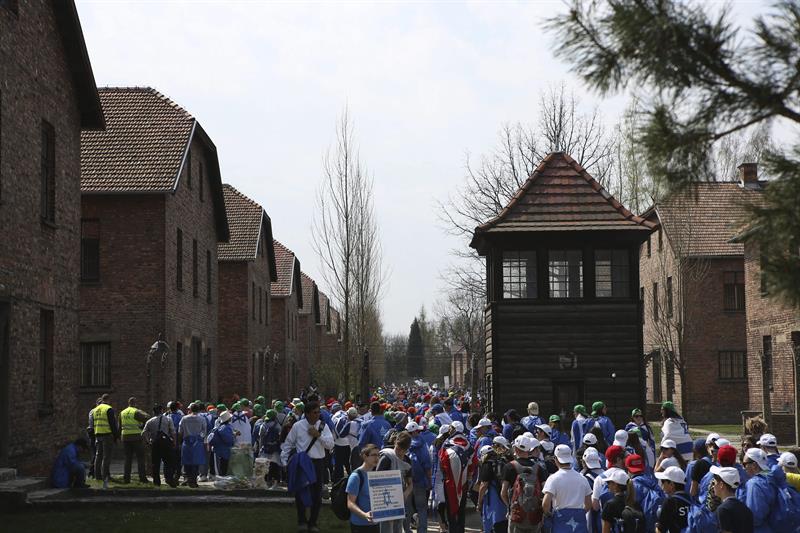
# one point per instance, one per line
(704, 80)
(415, 353)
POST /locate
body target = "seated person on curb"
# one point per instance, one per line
(68, 470)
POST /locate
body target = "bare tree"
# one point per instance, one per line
(462, 314)
(346, 239)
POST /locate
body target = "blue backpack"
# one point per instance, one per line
(785, 517)
(650, 500)
(342, 427)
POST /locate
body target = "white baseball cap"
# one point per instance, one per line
(592, 458)
(768, 439)
(563, 454)
(526, 444)
(412, 426)
(668, 443)
(728, 474)
(484, 450)
(444, 430)
(547, 445)
(621, 438)
(720, 442)
(458, 426)
(589, 439)
(674, 474)
(617, 475)
(711, 438)
(500, 441)
(787, 459)
(544, 427)
(529, 434)
(669, 462)
(758, 456)
(484, 423)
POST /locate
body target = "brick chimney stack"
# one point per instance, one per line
(748, 175)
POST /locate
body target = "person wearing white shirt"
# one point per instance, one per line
(312, 436)
(567, 496)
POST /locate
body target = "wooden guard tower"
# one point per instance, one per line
(563, 314)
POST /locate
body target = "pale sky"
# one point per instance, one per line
(426, 84)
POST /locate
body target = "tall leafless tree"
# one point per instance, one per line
(346, 238)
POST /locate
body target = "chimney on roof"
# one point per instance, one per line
(748, 175)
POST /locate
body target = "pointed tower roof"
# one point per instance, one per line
(561, 196)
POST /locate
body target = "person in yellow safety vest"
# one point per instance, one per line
(106, 432)
(131, 420)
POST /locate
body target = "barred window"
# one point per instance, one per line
(48, 173)
(732, 365)
(669, 297)
(655, 302)
(734, 291)
(612, 274)
(95, 364)
(566, 274)
(519, 274)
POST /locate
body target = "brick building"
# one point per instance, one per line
(459, 367)
(692, 287)
(47, 96)
(286, 297)
(308, 340)
(152, 213)
(246, 271)
(773, 332)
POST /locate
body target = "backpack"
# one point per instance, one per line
(271, 441)
(785, 515)
(631, 521)
(517, 429)
(339, 496)
(526, 496)
(650, 500)
(342, 427)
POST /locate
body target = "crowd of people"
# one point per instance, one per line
(524, 474)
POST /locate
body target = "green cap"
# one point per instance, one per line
(580, 409)
(635, 430)
(668, 405)
(261, 399)
(636, 412)
(299, 406)
(271, 414)
(237, 406)
(259, 410)
(555, 418)
(434, 428)
(388, 415)
(244, 401)
(597, 406)
(222, 407)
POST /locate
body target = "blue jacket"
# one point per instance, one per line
(456, 415)
(301, 475)
(530, 422)
(420, 462)
(579, 429)
(556, 437)
(760, 495)
(66, 465)
(373, 432)
(608, 428)
(222, 441)
(326, 417)
(427, 437)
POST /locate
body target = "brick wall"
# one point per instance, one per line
(709, 330)
(307, 347)
(768, 317)
(244, 335)
(125, 308)
(38, 263)
(283, 375)
(191, 317)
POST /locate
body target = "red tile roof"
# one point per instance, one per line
(561, 196)
(324, 303)
(245, 219)
(702, 219)
(288, 266)
(143, 145)
(311, 296)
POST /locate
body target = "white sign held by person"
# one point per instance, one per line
(386, 495)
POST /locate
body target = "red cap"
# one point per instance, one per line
(726, 455)
(614, 452)
(634, 464)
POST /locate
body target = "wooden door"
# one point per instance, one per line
(566, 394)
